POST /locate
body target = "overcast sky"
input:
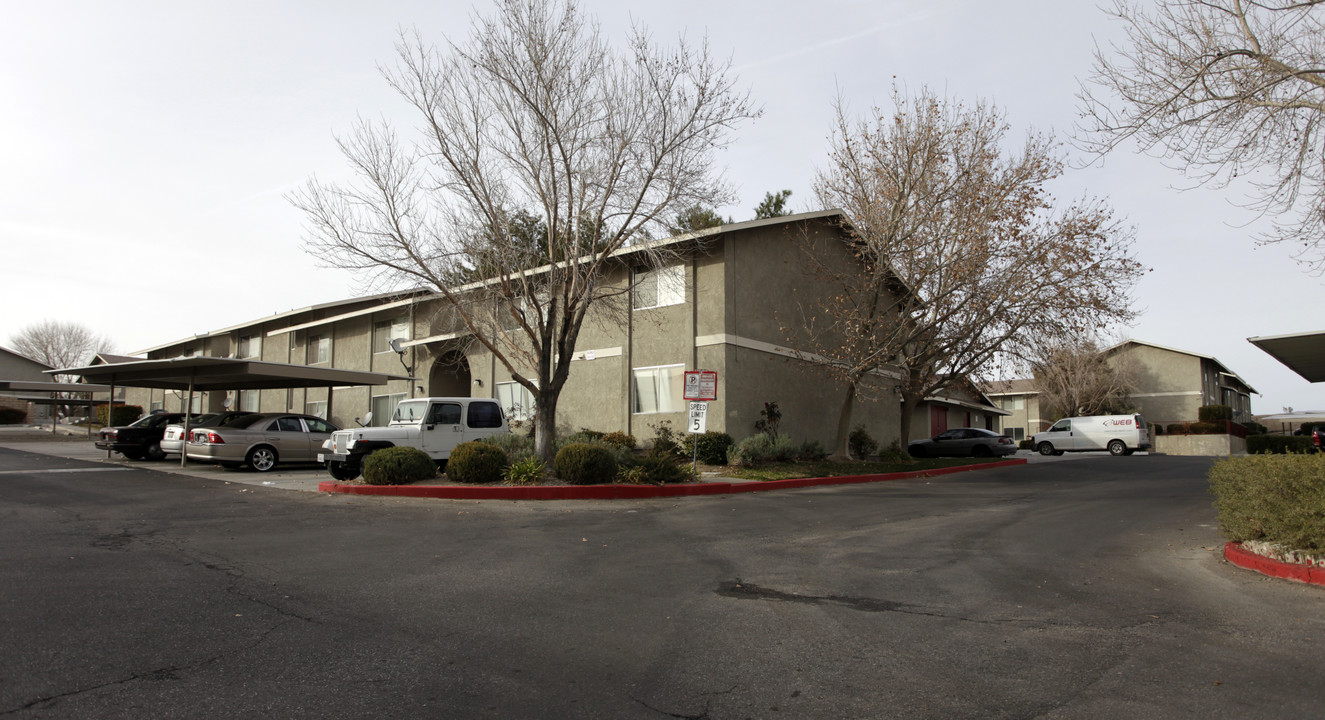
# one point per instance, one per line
(145, 148)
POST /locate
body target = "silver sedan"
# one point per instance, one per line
(173, 441)
(261, 441)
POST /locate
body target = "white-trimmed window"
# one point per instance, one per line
(659, 287)
(1015, 433)
(384, 331)
(316, 408)
(248, 400)
(1014, 403)
(319, 349)
(383, 406)
(249, 346)
(515, 399)
(658, 389)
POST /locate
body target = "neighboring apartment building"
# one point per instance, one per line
(1171, 386)
(724, 307)
(1021, 401)
(14, 366)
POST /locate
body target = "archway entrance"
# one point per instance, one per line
(450, 376)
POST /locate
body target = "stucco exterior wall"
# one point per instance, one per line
(1169, 383)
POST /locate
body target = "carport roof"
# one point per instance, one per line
(1303, 353)
(210, 373)
(8, 386)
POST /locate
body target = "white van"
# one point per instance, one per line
(1119, 434)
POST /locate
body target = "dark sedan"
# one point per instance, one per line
(141, 438)
(962, 442)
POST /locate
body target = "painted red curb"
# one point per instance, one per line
(1236, 554)
(631, 492)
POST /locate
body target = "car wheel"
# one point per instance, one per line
(154, 452)
(980, 451)
(343, 471)
(132, 454)
(261, 458)
(1046, 448)
(1117, 448)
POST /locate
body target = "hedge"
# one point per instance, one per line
(123, 415)
(476, 462)
(1280, 444)
(585, 464)
(712, 447)
(1278, 499)
(12, 416)
(1214, 413)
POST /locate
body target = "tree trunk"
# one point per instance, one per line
(904, 426)
(545, 428)
(842, 442)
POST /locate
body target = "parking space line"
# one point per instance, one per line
(63, 470)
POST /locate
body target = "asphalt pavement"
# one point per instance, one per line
(1085, 589)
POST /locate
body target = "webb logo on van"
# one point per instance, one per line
(1114, 421)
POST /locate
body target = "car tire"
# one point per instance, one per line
(1117, 448)
(153, 452)
(132, 454)
(343, 471)
(980, 451)
(1046, 448)
(262, 458)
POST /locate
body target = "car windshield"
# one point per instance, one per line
(410, 411)
(144, 421)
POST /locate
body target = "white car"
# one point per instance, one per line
(173, 441)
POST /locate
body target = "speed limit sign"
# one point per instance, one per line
(698, 424)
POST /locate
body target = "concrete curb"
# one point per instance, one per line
(1311, 574)
(632, 492)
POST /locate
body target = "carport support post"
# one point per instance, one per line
(110, 410)
(184, 442)
(328, 417)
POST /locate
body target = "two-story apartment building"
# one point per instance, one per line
(726, 304)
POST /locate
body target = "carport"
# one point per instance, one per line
(203, 374)
(1303, 353)
(17, 388)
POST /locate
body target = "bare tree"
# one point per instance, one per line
(59, 344)
(963, 252)
(535, 112)
(1224, 89)
(1074, 378)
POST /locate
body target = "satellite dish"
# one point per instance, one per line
(395, 344)
(227, 402)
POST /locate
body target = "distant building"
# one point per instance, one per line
(1021, 401)
(14, 366)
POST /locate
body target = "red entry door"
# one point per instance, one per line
(938, 420)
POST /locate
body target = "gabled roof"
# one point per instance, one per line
(1211, 358)
(24, 358)
(1018, 386)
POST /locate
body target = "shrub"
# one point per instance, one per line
(619, 439)
(712, 447)
(1206, 428)
(12, 416)
(653, 469)
(1029, 444)
(1214, 413)
(527, 471)
(1272, 498)
(1156, 429)
(895, 454)
(769, 419)
(1176, 429)
(664, 439)
(861, 444)
(1255, 428)
(517, 447)
(812, 451)
(476, 462)
(123, 415)
(1280, 444)
(585, 464)
(398, 466)
(762, 448)
(583, 435)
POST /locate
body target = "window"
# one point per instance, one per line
(1015, 433)
(383, 406)
(656, 288)
(484, 415)
(250, 346)
(1014, 403)
(658, 389)
(1061, 426)
(316, 408)
(444, 414)
(319, 426)
(516, 399)
(384, 331)
(287, 424)
(319, 349)
(248, 400)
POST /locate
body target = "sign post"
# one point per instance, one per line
(701, 387)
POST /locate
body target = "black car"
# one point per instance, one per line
(141, 438)
(975, 442)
